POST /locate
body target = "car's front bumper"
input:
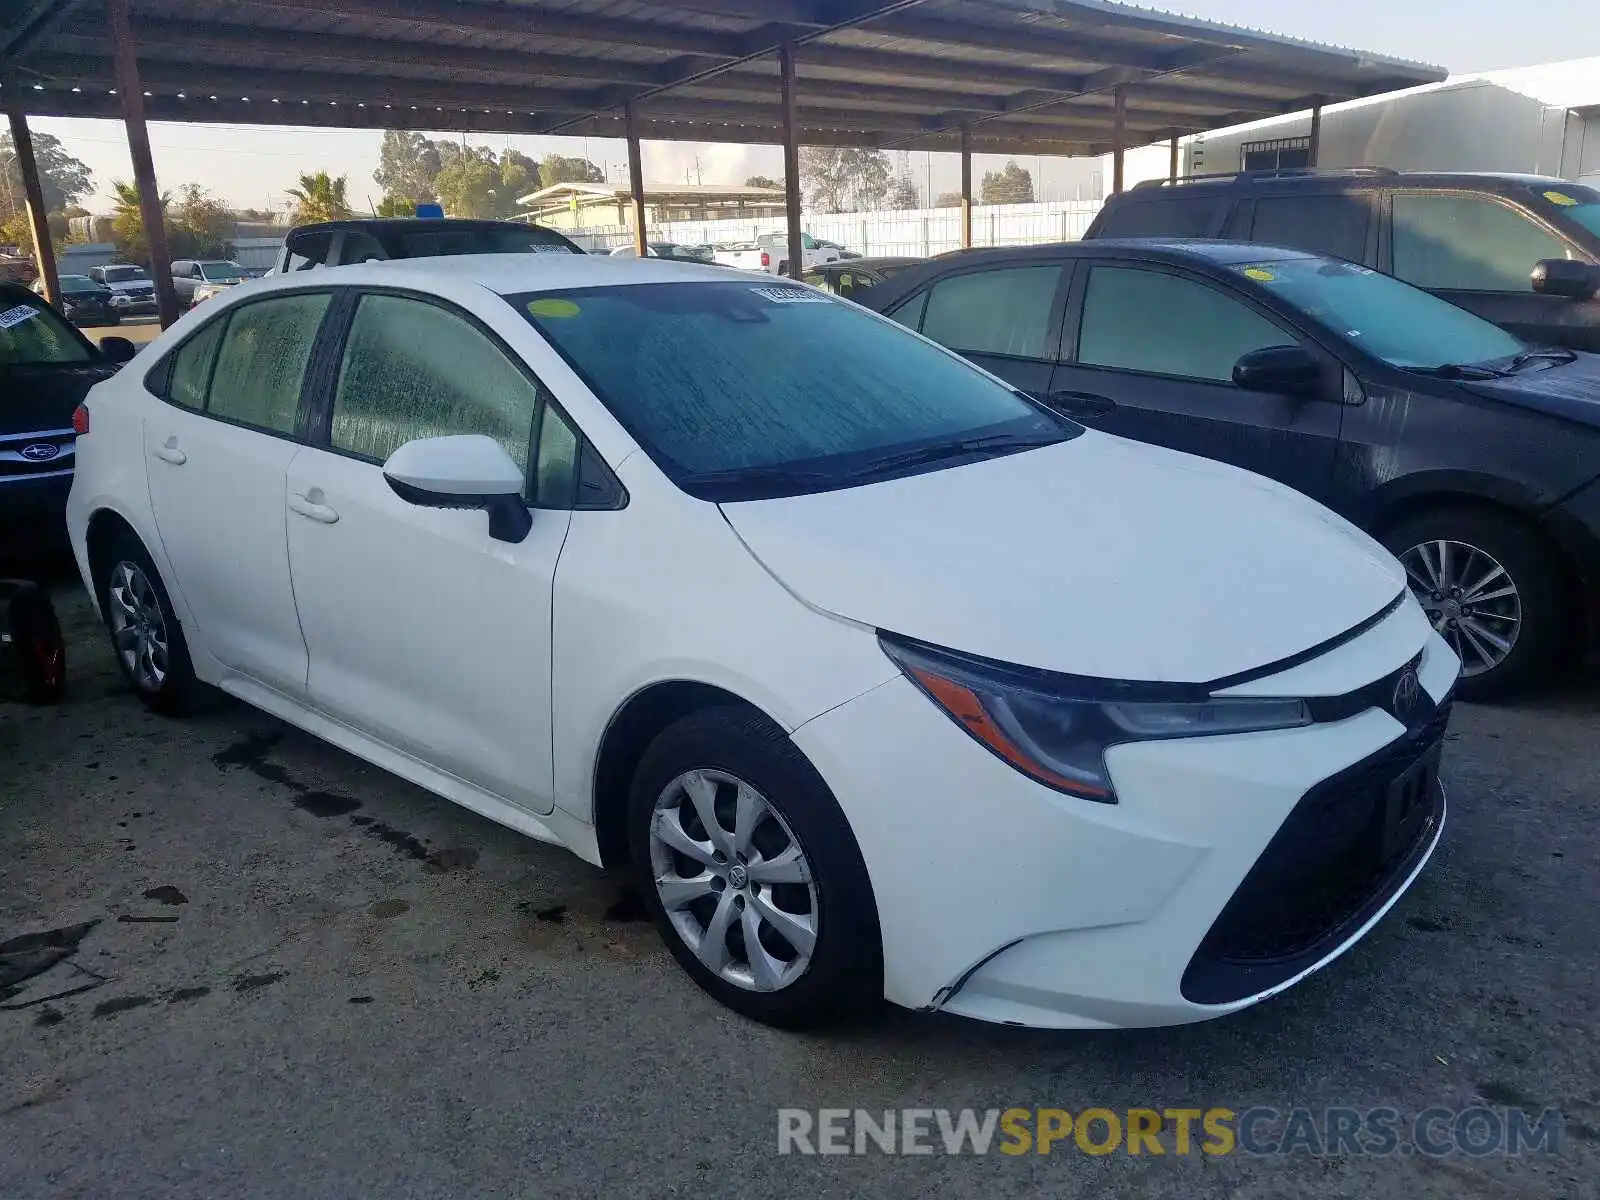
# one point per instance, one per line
(1004, 900)
(33, 510)
(133, 305)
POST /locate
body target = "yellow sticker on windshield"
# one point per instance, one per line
(1560, 198)
(553, 308)
(1259, 274)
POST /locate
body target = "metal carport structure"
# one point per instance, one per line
(1059, 77)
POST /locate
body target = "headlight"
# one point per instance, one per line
(1056, 729)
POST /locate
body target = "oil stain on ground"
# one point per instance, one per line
(326, 804)
(166, 894)
(119, 1004)
(249, 983)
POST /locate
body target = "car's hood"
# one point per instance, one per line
(1098, 557)
(1570, 390)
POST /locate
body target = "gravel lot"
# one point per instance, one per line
(304, 978)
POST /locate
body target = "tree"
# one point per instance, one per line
(519, 175)
(408, 163)
(557, 168)
(948, 200)
(1009, 185)
(62, 179)
(764, 181)
(319, 197)
(467, 186)
(843, 179)
(902, 193)
(201, 225)
(396, 206)
(127, 223)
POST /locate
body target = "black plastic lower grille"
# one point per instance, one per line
(1335, 860)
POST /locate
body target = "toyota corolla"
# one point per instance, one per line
(885, 680)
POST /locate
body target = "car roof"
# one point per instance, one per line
(387, 223)
(510, 274)
(1333, 178)
(887, 260)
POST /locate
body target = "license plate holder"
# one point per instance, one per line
(1407, 805)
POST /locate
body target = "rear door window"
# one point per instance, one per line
(1006, 311)
(261, 365)
(1468, 243)
(1332, 224)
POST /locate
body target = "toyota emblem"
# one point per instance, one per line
(40, 451)
(1407, 694)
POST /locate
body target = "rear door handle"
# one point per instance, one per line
(1081, 404)
(310, 504)
(168, 452)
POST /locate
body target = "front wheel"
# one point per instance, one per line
(751, 873)
(1491, 589)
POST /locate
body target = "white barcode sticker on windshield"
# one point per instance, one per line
(17, 315)
(790, 295)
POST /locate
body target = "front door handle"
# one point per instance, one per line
(1081, 404)
(168, 452)
(310, 504)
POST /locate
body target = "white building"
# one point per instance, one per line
(1542, 120)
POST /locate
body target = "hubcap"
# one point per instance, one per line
(734, 880)
(1470, 599)
(138, 629)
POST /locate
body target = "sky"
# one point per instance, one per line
(251, 167)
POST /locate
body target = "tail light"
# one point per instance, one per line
(766, 259)
(80, 420)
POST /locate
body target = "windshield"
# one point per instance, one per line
(1403, 325)
(221, 272)
(124, 274)
(723, 378)
(31, 334)
(1580, 204)
(78, 283)
(425, 242)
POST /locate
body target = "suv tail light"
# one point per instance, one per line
(766, 259)
(80, 420)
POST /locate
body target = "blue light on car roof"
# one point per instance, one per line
(435, 211)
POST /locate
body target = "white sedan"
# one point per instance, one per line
(886, 680)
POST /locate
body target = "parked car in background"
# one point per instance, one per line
(133, 292)
(16, 266)
(46, 368)
(83, 301)
(341, 243)
(770, 253)
(196, 280)
(835, 648)
(844, 252)
(853, 278)
(675, 250)
(1522, 251)
(1468, 453)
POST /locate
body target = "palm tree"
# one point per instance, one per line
(127, 224)
(320, 197)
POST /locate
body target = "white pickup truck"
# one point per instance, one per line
(770, 253)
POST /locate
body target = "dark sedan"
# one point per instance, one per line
(83, 301)
(46, 369)
(1472, 456)
(853, 278)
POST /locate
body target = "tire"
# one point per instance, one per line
(741, 753)
(169, 687)
(1542, 626)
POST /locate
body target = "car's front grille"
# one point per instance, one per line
(1335, 860)
(28, 455)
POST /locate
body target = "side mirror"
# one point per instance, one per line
(468, 470)
(1288, 370)
(118, 349)
(1566, 277)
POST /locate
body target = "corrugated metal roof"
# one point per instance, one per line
(1022, 76)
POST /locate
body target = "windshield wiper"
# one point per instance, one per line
(944, 450)
(1555, 354)
(1460, 371)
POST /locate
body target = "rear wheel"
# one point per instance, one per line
(145, 635)
(751, 873)
(1492, 590)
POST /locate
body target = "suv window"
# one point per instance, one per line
(1159, 324)
(1005, 311)
(1468, 243)
(31, 334)
(262, 362)
(1333, 224)
(413, 370)
(1190, 216)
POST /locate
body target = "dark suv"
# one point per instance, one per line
(1522, 251)
(1472, 456)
